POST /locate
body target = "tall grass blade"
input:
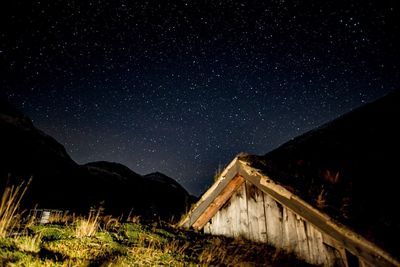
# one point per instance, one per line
(10, 202)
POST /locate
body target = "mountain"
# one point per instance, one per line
(60, 183)
(158, 194)
(27, 151)
(348, 168)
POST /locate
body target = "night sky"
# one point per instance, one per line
(182, 87)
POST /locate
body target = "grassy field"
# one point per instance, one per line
(98, 240)
(112, 243)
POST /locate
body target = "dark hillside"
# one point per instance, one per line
(60, 183)
(348, 168)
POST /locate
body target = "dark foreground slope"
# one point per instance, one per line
(58, 182)
(348, 168)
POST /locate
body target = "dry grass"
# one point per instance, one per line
(218, 251)
(9, 205)
(321, 199)
(331, 176)
(176, 247)
(218, 171)
(134, 219)
(151, 251)
(29, 243)
(110, 223)
(62, 217)
(213, 251)
(88, 227)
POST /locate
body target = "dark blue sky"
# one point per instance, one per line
(182, 87)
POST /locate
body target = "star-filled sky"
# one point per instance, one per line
(181, 87)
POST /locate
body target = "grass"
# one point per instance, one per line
(9, 205)
(97, 240)
(88, 226)
(133, 244)
(29, 243)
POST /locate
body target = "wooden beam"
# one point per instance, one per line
(208, 197)
(218, 202)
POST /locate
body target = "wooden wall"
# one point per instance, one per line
(254, 215)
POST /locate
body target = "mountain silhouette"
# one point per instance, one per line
(60, 183)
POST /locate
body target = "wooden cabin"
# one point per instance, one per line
(244, 202)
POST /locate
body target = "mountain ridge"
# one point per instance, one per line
(59, 182)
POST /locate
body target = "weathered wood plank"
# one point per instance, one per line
(302, 246)
(225, 221)
(214, 224)
(336, 253)
(273, 218)
(256, 213)
(312, 256)
(285, 231)
(218, 225)
(289, 230)
(317, 252)
(320, 248)
(243, 216)
(233, 212)
(217, 203)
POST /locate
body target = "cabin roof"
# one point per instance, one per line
(241, 170)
